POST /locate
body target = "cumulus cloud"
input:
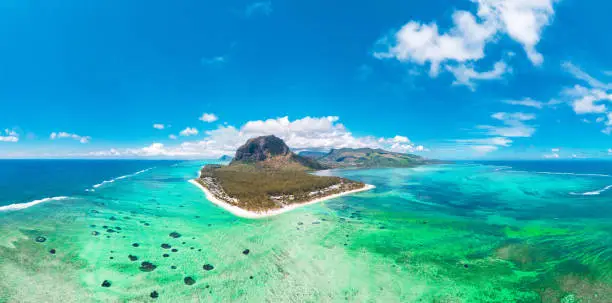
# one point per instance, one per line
(208, 118)
(466, 75)
(189, 131)
(554, 154)
(159, 126)
(465, 42)
(484, 149)
(262, 8)
(9, 136)
(214, 60)
(592, 99)
(65, 135)
(485, 145)
(319, 133)
(528, 102)
(513, 125)
(497, 141)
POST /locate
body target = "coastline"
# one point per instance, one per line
(239, 212)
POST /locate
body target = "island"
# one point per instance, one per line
(365, 158)
(265, 178)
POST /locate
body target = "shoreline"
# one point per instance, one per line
(243, 213)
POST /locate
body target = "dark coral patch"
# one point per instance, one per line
(106, 283)
(147, 266)
(166, 246)
(208, 267)
(40, 239)
(175, 235)
(189, 281)
(133, 258)
(246, 252)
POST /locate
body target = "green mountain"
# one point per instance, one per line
(312, 154)
(271, 152)
(368, 157)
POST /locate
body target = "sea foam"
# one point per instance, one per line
(592, 193)
(20, 206)
(558, 173)
(119, 178)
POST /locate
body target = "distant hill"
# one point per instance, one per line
(272, 152)
(368, 158)
(225, 158)
(312, 154)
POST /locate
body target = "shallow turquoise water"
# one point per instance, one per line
(444, 233)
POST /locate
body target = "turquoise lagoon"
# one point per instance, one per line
(466, 232)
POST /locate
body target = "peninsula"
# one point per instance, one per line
(266, 178)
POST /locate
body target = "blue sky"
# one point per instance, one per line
(448, 79)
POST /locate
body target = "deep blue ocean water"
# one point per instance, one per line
(22, 181)
(558, 166)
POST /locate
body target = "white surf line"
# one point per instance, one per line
(558, 173)
(20, 206)
(237, 211)
(118, 178)
(592, 193)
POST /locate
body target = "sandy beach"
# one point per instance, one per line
(259, 215)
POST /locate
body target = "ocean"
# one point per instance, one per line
(499, 231)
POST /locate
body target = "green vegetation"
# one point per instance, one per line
(368, 157)
(259, 189)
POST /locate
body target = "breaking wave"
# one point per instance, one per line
(20, 206)
(592, 193)
(119, 178)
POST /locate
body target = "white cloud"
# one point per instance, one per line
(189, 131)
(521, 20)
(485, 145)
(484, 149)
(588, 101)
(321, 133)
(263, 8)
(214, 60)
(159, 126)
(63, 135)
(465, 75)
(551, 156)
(526, 102)
(513, 116)
(209, 118)
(173, 137)
(423, 43)
(9, 136)
(581, 75)
(514, 125)
(591, 100)
(498, 141)
(610, 151)
(554, 154)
